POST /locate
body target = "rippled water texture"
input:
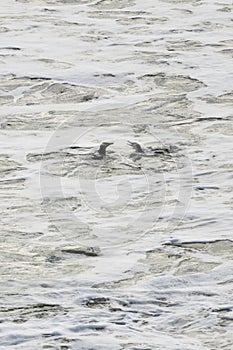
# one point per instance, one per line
(132, 250)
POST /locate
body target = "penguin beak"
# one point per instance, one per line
(106, 144)
(130, 143)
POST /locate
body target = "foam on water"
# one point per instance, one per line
(124, 252)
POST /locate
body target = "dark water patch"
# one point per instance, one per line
(199, 119)
(72, 202)
(227, 52)
(35, 157)
(203, 188)
(184, 45)
(3, 29)
(37, 78)
(12, 184)
(134, 20)
(214, 45)
(49, 10)
(14, 48)
(86, 166)
(224, 128)
(210, 118)
(12, 82)
(95, 38)
(147, 43)
(97, 302)
(145, 57)
(8, 165)
(210, 25)
(227, 42)
(205, 173)
(90, 327)
(128, 308)
(34, 121)
(199, 222)
(192, 2)
(55, 341)
(20, 235)
(120, 44)
(117, 14)
(43, 261)
(21, 314)
(120, 283)
(184, 11)
(114, 4)
(203, 293)
(221, 99)
(170, 107)
(224, 308)
(51, 2)
(39, 90)
(88, 251)
(176, 83)
(58, 93)
(7, 99)
(224, 9)
(105, 75)
(217, 247)
(176, 262)
(64, 167)
(53, 259)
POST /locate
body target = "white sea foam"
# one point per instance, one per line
(123, 252)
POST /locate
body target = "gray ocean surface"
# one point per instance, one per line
(130, 251)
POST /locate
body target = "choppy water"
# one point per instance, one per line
(118, 253)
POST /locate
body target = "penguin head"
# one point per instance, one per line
(103, 146)
(136, 146)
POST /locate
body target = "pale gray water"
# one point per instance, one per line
(119, 253)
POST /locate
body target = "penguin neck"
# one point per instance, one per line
(139, 149)
(102, 150)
